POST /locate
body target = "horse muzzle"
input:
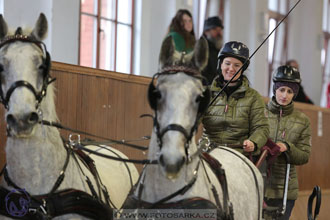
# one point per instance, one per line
(22, 125)
(171, 170)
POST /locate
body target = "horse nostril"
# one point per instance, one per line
(11, 120)
(33, 118)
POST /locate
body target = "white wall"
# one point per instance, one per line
(25, 14)
(63, 24)
(305, 44)
(245, 21)
(151, 24)
(65, 32)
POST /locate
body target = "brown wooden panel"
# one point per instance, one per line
(315, 172)
(136, 104)
(299, 211)
(66, 99)
(93, 113)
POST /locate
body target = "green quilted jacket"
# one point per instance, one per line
(293, 128)
(233, 119)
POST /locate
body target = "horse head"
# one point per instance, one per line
(24, 76)
(178, 100)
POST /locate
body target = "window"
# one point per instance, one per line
(106, 34)
(277, 46)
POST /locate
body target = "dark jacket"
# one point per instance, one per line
(302, 97)
(210, 70)
(233, 119)
(292, 127)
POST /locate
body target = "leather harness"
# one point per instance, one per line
(223, 213)
(56, 203)
(45, 207)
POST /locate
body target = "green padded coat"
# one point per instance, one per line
(291, 127)
(233, 119)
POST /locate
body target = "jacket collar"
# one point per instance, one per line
(276, 108)
(238, 93)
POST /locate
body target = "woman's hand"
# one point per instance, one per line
(248, 146)
(282, 146)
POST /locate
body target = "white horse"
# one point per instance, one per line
(178, 100)
(35, 153)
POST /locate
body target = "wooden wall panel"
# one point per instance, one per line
(93, 114)
(316, 172)
(299, 211)
(66, 85)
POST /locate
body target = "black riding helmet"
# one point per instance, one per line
(234, 49)
(286, 74)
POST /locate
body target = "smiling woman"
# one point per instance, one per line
(236, 117)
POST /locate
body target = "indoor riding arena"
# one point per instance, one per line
(104, 63)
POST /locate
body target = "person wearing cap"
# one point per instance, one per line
(213, 32)
(290, 129)
(237, 117)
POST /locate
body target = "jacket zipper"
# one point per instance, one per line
(278, 123)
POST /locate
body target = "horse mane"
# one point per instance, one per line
(48, 104)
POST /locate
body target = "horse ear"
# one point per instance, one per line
(201, 53)
(41, 28)
(166, 52)
(3, 27)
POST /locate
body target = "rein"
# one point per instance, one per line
(112, 141)
(78, 145)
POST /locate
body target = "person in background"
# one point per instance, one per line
(301, 96)
(237, 116)
(290, 130)
(182, 31)
(213, 32)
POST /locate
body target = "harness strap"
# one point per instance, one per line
(60, 203)
(221, 176)
(191, 203)
(181, 191)
(56, 184)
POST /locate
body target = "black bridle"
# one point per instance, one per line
(47, 79)
(153, 95)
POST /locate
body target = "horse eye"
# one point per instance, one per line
(157, 94)
(42, 67)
